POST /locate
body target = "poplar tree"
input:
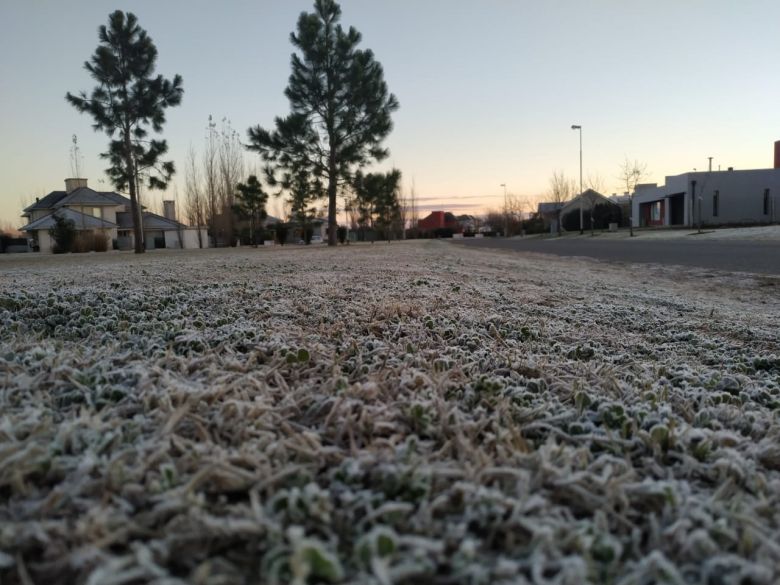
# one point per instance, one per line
(127, 100)
(340, 107)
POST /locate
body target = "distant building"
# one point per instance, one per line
(624, 202)
(468, 223)
(709, 198)
(605, 211)
(549, 212)
(106, 213)
(439, 222)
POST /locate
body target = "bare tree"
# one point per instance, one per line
(413, 212)
(230, 171)
(596, 182)
(515, 209)
(403, 211)
(9, 229)
(211, 176)
(195, 194)
(631, 174)
(561, 189)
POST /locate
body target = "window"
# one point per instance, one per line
(655, 211)
(96, 212)
(766, 201)
(715, 203)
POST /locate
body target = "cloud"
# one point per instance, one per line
(447, 197)
(448, 206)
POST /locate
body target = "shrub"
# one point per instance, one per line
(341, 234)
(89, 242)
(101, 243)
(281, 233)
(63, 234)
(603, 215)
(534, 225)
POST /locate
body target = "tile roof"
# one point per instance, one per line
(550, 207)
(46, 202)
(80, 221)
(85, 196)
(80, 196)
(151, 221)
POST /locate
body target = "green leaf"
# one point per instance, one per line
(323, 564)
(385, 544)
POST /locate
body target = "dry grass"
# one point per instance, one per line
(412, 413)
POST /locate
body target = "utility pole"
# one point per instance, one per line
(578, 127)
(506, 213)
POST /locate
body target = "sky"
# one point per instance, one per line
(488, 89)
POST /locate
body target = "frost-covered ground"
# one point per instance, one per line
(405, 413)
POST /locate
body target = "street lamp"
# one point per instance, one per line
(506, 211)
(576, 127)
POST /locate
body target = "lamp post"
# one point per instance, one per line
(577, 127)
(506, 211)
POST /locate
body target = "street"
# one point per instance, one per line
(733, 255)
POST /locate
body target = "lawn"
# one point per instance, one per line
(406, 413)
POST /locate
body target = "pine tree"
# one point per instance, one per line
(63, 233)
(250, 202)
(377, 201)
(127, 100)
(340, 107)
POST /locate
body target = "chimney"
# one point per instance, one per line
(777, 154)
(73, 184)
(169, 210)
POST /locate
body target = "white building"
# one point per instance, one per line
(107, 214)
(710, 198)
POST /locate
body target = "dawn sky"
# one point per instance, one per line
(488, 89)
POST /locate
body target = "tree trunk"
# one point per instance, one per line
(135, 208)
(332, 189)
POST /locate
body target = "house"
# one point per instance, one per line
(604, 210)
(439, 223)
(624, 202)
(709, 198)
(549, 213)
(104, 213)
(468, 223)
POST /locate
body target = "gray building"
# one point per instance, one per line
(709, 198)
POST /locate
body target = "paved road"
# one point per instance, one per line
(737, 255)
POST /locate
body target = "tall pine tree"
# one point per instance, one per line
(127, 100)
(250, 202)
(340, 107)
(377, 201)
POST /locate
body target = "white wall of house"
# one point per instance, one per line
(190, 237)
(109, 212)
(740, 196)
(172, 239)
(45, 242)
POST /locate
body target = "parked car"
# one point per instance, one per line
(316, 239)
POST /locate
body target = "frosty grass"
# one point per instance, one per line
(404, 413)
